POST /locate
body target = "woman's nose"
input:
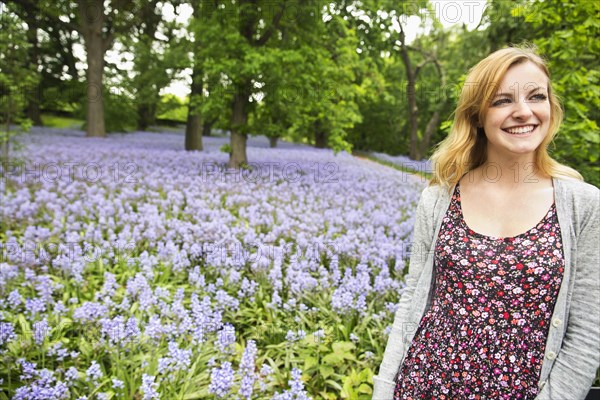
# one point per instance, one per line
(522, 109)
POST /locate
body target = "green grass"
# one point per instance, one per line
(55, 121)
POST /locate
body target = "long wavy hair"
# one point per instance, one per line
(465, 147)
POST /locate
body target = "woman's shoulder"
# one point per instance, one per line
(434, 194)
(580, 199)
(436, 190)
(430, 192)
(578, 190)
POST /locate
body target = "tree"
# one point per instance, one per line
(312, 79)
(159, 52)
(148, 69)
(50, 43)
(235, 37)
(16, 75)
(29, 12)
(565, 33)
(98, 23)
(193, 135)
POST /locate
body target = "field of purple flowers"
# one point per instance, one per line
(133, 269)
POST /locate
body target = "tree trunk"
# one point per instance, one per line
(273, 141)
(239, 119)
(33, 105)
(320, 139)
(4, 150)
(92, 21)
(432, 125)
(413, 110)
(207, 128)
(193, 136)
(238, 157)
(434, 121)
(146, 115)
(33, 93)
(147, 95)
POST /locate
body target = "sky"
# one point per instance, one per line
(449, 13)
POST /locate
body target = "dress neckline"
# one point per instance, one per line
(496, 238)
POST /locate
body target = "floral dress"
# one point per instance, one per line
(485, 332)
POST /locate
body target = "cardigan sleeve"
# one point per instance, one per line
(574, 368)
(383, 383)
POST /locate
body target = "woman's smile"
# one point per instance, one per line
(521, 130)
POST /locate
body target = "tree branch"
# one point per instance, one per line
(272, 28)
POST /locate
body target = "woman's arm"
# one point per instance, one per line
(383, 384)
(575, 366)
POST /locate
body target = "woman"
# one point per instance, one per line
(504, 303)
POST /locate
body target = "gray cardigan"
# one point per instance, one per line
(572, 352)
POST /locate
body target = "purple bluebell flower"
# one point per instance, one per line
(109, 286)
(90, 311)
(225, 338)
(296, 391)
(177, 360)
(59, 308)
(35, 306)
(221, 380)
(7, 333)
(45, 287)
(94, 373)
(264, 375)
(154, 328)
(28, 370)
(71, 375)
(46, 387)
(149, 387)
(117, 384)
(41, 330)
(226, 302)
(14, 299)
(59, 351)
(246, 370)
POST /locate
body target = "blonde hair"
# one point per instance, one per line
(465, 148)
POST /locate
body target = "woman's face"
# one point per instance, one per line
(518, 117)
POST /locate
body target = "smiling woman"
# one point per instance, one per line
(518, 118)
(502, 294)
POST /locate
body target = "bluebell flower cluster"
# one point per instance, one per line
(221, 380)
(151, 271)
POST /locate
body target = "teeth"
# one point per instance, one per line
(521, 129)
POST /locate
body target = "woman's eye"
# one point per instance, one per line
(500, 102)
(539, 97)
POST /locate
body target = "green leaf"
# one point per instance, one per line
(310, 362)
(343, 347)
(333, 359)
(326, 371)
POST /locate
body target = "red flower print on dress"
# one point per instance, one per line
(488, 340)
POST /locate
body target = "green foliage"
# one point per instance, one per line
(564, 34)
(17, 78)
(172, 107)
(56, 121)
(226, 148)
